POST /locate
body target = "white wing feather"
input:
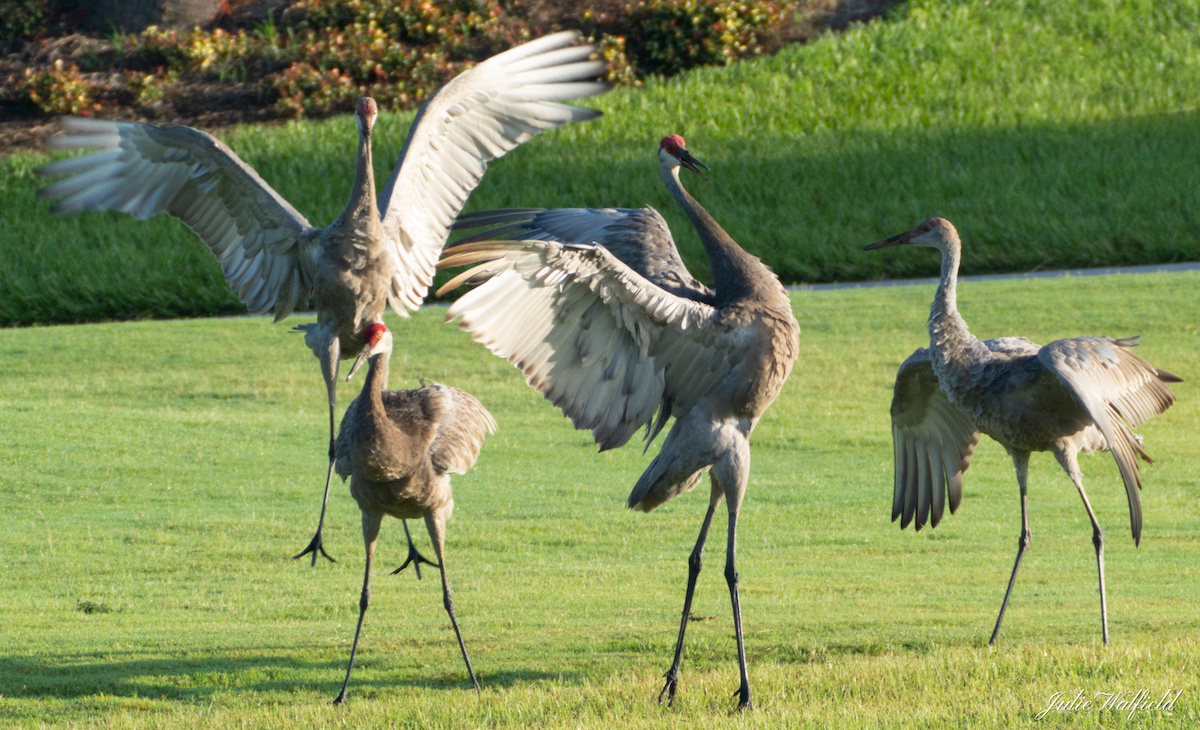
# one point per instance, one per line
(478, 116)
(591, 334)
(146, 169)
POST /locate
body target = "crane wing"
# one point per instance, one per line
(639, 237)
(1013, 346)
(460, 430)
(146, 169)
(932, 440)
(1118, 390)
(597, 339)
(478, 116)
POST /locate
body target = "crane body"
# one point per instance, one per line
(1071, 396)
(381, 251)
(597, 309)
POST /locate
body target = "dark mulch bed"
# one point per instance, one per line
(214, 106)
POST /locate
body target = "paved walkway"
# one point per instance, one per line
(1154, 269)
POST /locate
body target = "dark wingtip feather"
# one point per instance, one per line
(1168, 377)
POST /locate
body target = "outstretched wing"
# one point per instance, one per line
(597, 339)
(146, 169)
(460, 431)
(638, 237)
(933, 441)
(1118, 390)
(478, 116)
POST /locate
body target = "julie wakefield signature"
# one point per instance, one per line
(1139, 701)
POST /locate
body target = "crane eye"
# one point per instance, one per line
(373, 333)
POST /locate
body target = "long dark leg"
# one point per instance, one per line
(1021, 464)
(436, 524)
(731, 577)
(694, 565)
(1071, 464)
(414, 556)
(370, 535)
(329, 368)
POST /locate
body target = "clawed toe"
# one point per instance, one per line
(315, 547)
(672, 677)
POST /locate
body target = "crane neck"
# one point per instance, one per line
(950, 340)
(362, 205)
(376, 383)
(736, 274)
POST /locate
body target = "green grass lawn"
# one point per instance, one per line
(159, 475)
(1052, 134)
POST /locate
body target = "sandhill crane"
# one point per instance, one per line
(374, 255)
(1080, 394)
(399, 449)
(607, 345)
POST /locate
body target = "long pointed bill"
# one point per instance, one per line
(687, 160)
(897, 240)
(358, 362)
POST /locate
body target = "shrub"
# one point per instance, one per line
(60, 89)
(323, 54)
(669, 36)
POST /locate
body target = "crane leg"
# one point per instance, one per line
(329, 368)
(315, 546)
(435, 522)
(1021, 463)
(733, 472)
(414, 557)
(694, 564)
(1071, 465)
(370, 536)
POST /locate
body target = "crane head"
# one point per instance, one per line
(676, 153)
(366, 110)
(933, 233)
(376, 339)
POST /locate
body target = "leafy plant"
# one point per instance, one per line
(60, 89)
(322, 54)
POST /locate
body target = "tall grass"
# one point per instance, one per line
(158, 475)
(1053, 135)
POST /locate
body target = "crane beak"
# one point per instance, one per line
(897, 240)
(687, 160)
(358, 362)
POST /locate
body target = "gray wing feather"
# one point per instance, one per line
(639, 237)
(146, 169)
(460, 431)
(1118, 390)
(478, 116)
(932, 443)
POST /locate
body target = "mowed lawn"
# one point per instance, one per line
(1053, 134)
(159, 475)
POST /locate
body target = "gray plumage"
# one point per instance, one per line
(1074, 395)
(639, 237)
(378, 253)
(616, 351)
(399, 448)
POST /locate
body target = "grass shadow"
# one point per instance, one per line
(195, 679)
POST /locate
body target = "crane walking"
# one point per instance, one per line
(612, 341)
(1075, 395)
(399, 449)
(377, 253)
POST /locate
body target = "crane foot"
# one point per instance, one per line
(341, 698)
(315, 547)
(744, 702)
(672, 677)
(416, 558)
